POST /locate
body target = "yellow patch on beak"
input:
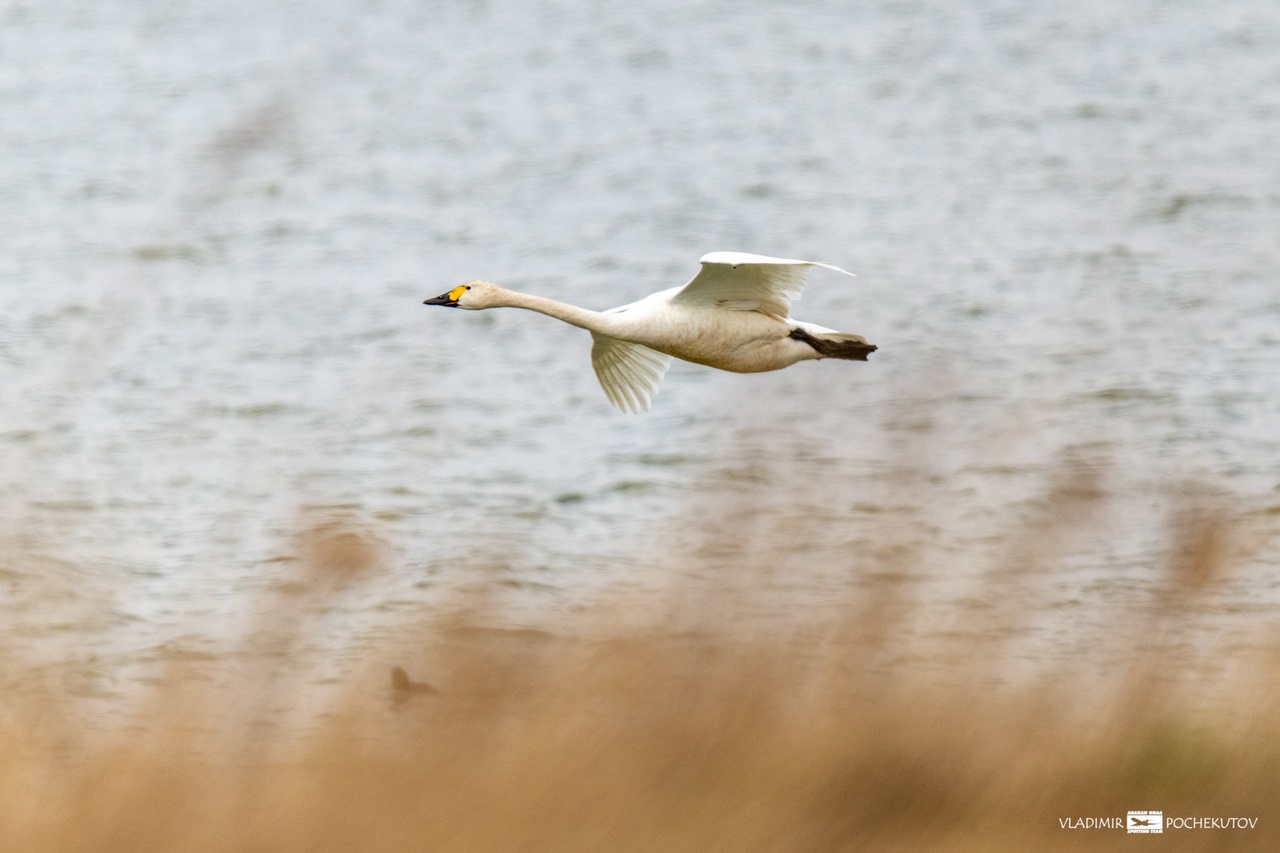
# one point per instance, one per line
(457, 292)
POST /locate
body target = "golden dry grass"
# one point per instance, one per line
(683, 734)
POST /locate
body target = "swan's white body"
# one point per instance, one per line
(734, 315)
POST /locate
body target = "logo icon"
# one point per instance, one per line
(1148, 822)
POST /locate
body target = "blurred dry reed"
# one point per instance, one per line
(685, 735)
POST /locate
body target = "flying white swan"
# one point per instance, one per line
(733, 315)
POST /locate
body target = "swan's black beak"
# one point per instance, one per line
(445, 299)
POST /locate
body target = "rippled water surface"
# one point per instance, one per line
(220, 219)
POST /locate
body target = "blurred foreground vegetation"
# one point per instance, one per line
(679, 728)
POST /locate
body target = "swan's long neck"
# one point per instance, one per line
(583, 318)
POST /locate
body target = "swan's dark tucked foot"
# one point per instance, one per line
(836, 344)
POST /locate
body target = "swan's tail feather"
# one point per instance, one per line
(836, 344)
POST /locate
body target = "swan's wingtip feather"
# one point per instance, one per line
(833, 267)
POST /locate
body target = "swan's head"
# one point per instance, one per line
(473, 295)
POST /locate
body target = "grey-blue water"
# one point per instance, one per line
(218, 221)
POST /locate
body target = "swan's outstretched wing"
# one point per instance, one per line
(737, 281)
(629, 373)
